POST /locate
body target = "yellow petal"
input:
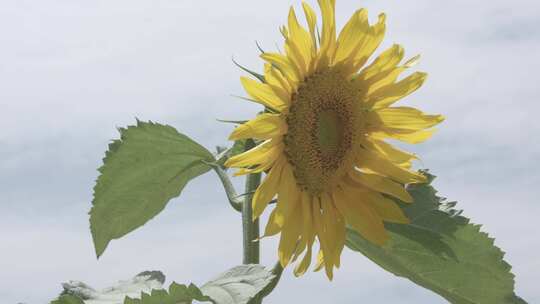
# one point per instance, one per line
(258, 155)
(295, 57)
(307, 216)
(389, 94)
(308, 236)
(289, 237)
(386, 209)
(364, 50)
(267, 190)
(303, 266)
(328, 39)
(300, 247)
(334, 228)
(302, 42)
(381, 80)
(306, 220)
(286, 204)
(285, 66)
(273, 226)
(311, 19)
(384, 71)
(352, 34)
(329, 228)
(403, 118)
(386, 77)
(263, 94)
(378, 164)
(392, 153)
(360, 216)
(340, 239)
(263, 126)
(320, 261)
(268, 163)
(277, 82)
(387, 60)
(288, 194)
(411, 138)
(324, 238)
(381, 184)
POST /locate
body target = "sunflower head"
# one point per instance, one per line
(322, 136)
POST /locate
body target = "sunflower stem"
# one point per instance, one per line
(250, 226)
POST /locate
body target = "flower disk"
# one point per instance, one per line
(322, 136)
(322, 127)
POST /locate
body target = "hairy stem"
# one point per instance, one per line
(250, 226)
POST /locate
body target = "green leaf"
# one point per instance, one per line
(441, 251)
(238, 285)
(177, 294)
(148, 166)
(67, 299)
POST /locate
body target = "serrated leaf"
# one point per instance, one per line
(441, 251)
(177, 294)
(148, 166)
(67, 299)
(239, 285)
(145, 281)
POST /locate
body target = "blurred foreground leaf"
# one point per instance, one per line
(177, 294)
(441, 251)
(148, 166)
(239, 285)
(67, 299)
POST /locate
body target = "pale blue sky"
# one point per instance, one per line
(72, 71)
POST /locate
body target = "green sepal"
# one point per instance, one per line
(236, 122)
(254, 74)
(259, 47)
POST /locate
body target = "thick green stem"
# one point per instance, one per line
(250, 226)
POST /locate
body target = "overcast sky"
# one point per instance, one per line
(73, 71)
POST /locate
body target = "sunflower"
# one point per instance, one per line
(321, 139)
